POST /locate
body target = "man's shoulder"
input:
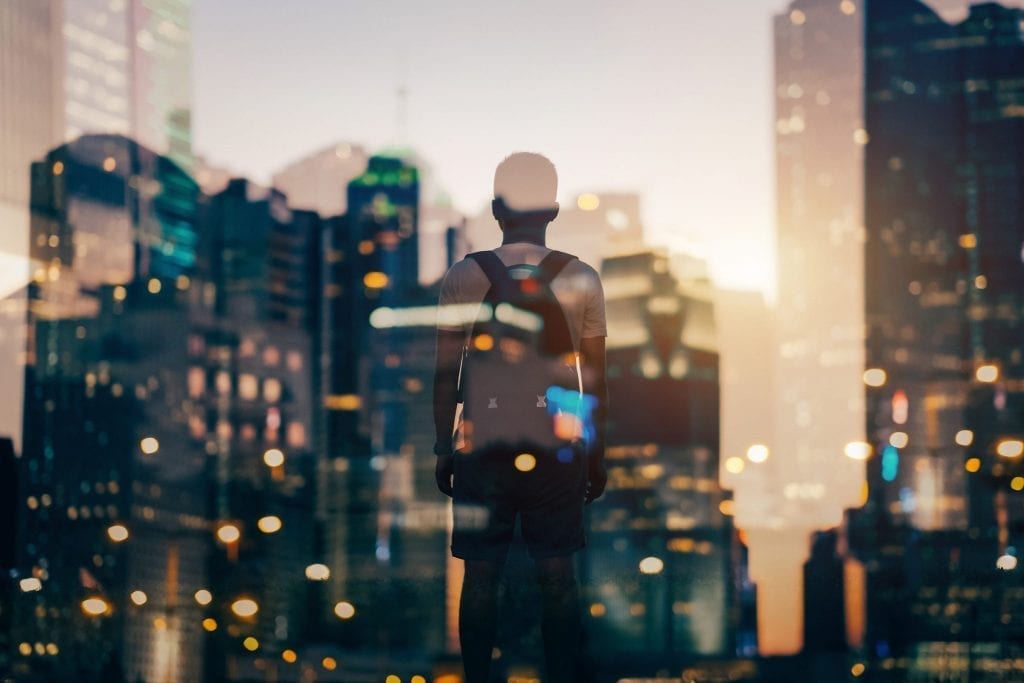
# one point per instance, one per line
(584, 274)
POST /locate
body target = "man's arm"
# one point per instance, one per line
(592, 354)
(446, 384)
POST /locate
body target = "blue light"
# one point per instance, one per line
(890, 463)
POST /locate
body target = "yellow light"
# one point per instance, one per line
(95, 606)
(203, 596)
(1017, 483)
(270, 524)
(483, 342)
(30, 585)
(797, 17)
(735, 465)
(588, 201)
(847, 7)
(245, 607)
(899, 439)
(139, 597)
(182, 282)
(210, 624)
(109, 164)
(1010, 448)
(366, 247)
(417, 679)
(375, 280)
(343, 402)
(228, 533)
(860, 137)
(727, 508)
(857, 669)
(965, 437)
(874, 377)
(987, 373)
(289, 656)
(273, 458)
(39, 648)
(598, 610)
(120, 293)
(651, 565)
(251, 644)
(52, 649)
(160, 624)
(968, 241)
(1006, 562)
(392, 678)
(58, 167)
(345, 610)
(25, 649)
(154, 286)
(329, 663)
(981, 282)
(525, 462)
(149, 445)
(117, 533)
(857, 450)
(972, 465)
(318, 572)
(757, 453)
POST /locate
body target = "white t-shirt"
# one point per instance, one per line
(577, 288)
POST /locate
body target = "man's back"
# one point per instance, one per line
(577, 288)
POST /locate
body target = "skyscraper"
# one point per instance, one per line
(799, 475)
(660, 543)
(112, 497)
(944, 278)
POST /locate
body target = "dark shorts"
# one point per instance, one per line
(492, 488)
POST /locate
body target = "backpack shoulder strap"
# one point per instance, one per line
(495, 270)
(552, 264)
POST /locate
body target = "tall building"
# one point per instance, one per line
(111, 523)
(69, 68)
(253, 383)
(660, 545)
(798, 475)
(944, 281)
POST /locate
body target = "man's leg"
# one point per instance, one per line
(560, 623)
(478, 617)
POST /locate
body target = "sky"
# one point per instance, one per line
(669, 99)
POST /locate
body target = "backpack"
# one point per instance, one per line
(520, 382)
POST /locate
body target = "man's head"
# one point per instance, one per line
(525, 187)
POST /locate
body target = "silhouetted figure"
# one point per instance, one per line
(521, 348)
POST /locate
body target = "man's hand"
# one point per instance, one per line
(597, 478)
(444, 470)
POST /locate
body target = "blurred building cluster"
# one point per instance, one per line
(223, 466)
(897, 382)
(220, 458)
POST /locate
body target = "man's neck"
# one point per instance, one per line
(533, 234)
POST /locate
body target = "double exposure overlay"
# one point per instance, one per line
(234, 242)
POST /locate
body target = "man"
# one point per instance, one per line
(548, 492)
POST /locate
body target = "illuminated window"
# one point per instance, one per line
(271, 390)
(271, 356)
(294, 361)
(295, 436)
(248, 387)
(223, 383)
(196, 382)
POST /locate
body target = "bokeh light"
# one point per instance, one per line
(318, 572)
(345, 610)
(245, 607)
